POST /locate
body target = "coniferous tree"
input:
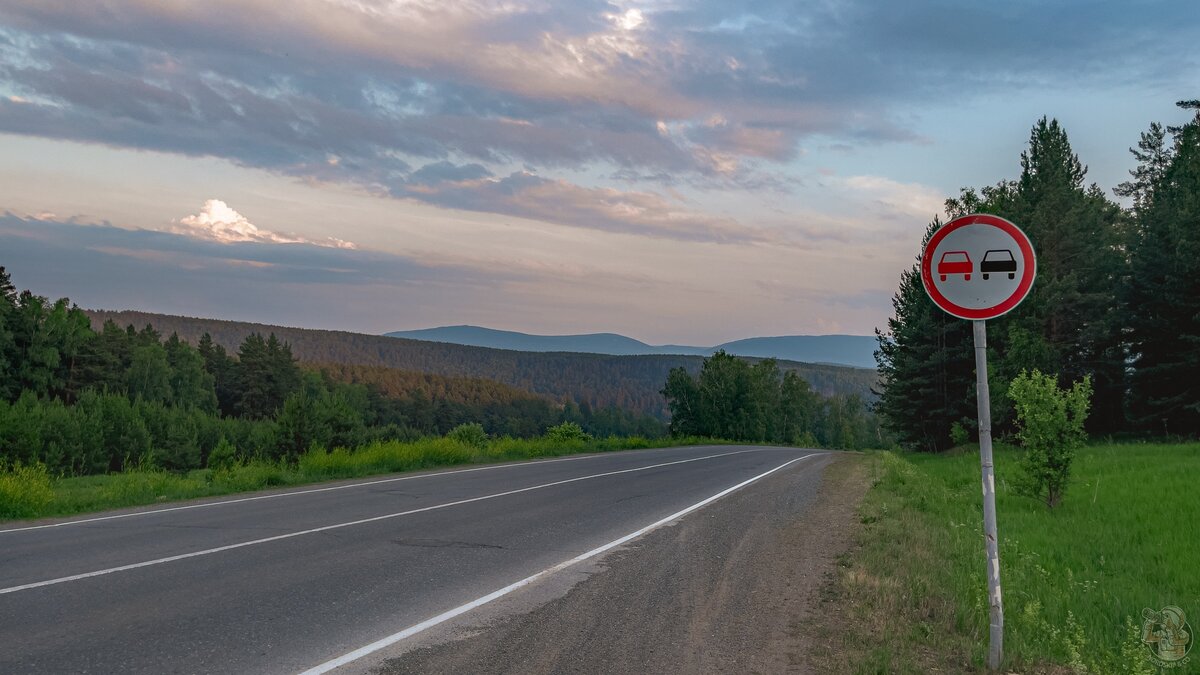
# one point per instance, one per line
(926, 365)
(221, 367)
(1071, 323)
(1154, 157)
(191, 385)
(9, 385)
(1164, 305)
(266, 374)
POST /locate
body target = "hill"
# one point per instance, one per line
(848, 350)
(599, 380)
(590, 343)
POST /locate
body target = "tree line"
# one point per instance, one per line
(602, 381)
(85, 401)
(1116, 299)
(734, 399)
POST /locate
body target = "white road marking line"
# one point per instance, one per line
(303, 492)
(478, 602)
(326, 528)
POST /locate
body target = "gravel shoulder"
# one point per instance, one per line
(728, 589)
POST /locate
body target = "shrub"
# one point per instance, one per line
(223, 456)
(959, 435)
(567, 432)
(1050, 428)
(471, 435)
(24, 490)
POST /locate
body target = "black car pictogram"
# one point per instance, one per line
(999, 260)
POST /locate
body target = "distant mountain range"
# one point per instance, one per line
(630, 382)
(845, 350)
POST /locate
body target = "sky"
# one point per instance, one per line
(680, 172)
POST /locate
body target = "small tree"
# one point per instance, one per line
(1050, 428)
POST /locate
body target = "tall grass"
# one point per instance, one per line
(24, 490)
(1075, 578)
(29, 492)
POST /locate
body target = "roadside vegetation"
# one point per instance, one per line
(30, 491)
(83, 402)
(911, 597)
(760, 403)
(1116, 299)
(1104, 347)
(95, 419)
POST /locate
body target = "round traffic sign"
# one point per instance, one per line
(978, 266)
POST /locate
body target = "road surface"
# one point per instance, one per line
(345, 575)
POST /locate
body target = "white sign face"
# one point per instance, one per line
(978, 266)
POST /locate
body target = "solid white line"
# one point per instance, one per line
(478, 602)
(302, 492)
(325, 528)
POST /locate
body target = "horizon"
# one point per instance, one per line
(387, 333)
(688, 173)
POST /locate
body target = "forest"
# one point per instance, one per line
(630, 383)
(1116, 299)
(734, 399)
(83, 401)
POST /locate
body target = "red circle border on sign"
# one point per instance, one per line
(988, 312)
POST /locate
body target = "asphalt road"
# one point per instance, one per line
(298, 579)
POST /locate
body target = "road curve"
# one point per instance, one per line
(303, 579)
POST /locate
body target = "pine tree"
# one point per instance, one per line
(926, 365)
(191, 385)
(1153, 156)
(221, 367)
(1071, 322)
(1164, 300)
(9, 386)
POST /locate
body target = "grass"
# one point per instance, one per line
(1075, 579)
(28, 492)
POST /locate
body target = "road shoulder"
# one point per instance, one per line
(730, 588)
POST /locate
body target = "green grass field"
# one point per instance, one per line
(1075, 579)
(27, 492)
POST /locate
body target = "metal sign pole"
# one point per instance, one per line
(996, 615)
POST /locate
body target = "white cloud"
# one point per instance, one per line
(219, 222)
(913, 199)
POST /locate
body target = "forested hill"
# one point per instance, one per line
(846, 350)
(629, 382)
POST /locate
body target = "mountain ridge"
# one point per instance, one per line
(630, 382)
(856, 351)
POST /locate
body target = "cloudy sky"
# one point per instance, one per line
(689, 172)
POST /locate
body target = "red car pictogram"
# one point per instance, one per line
(955, 262)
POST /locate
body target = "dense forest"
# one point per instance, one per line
(87, 401)
(1117, 297)
(732, 398)
(630, 383)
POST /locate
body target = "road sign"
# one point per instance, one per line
(978, 267)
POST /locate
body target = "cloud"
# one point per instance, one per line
(707, 94)
(527, 195)
(892, 198)
(94, 256)
(220, 223)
